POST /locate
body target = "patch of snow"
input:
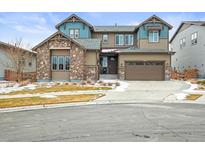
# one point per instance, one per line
(192, 88)
(123, 85)
(15, 87)
(30, 86)
(48, 96)
(3, 81)
(181, 96)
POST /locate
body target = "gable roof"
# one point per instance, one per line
(197, 23)
(10, 45)
(158, 18)
(92, 44)
(142, 50)
(114, 28)
(71, 16)
(56, 33)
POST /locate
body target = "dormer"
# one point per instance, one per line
(153, 33)
(75, 27)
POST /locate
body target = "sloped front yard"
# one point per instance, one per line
(40, 88)
(29, 101)
(27, 94)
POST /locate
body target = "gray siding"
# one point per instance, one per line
(190, 56)
(6, 63)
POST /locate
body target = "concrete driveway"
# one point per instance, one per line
(151, 91)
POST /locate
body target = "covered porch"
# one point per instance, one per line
(108, 65)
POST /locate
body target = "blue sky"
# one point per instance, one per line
(34, 27)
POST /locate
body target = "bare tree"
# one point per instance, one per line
(17, 57)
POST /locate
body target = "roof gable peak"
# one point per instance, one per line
(155, 18)
(74, 18)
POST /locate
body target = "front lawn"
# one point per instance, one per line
(29, 101)
(193, 97)
(201, 85)
(56, 88)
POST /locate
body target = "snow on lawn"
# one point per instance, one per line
(5, 89)
(181, 96)
(192, 89)
(48, 96)
(122, 85)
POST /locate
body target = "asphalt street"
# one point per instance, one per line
(111, 122)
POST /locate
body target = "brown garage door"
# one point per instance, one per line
(144, 70)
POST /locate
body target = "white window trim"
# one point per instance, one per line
(104, 39)
(123, 42)
(52, 57)
(74, 32)
(194, 38)
(153, 41)
(78, 34)
(184, 42)
(57, 59)
(73, 35)
(129, 36)
(59, 63)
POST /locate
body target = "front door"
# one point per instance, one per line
(108, 64)
(112, 65)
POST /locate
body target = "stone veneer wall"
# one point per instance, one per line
(168, 70)
(91, 72)
(77, 65)
(44, 58)
(121, 73)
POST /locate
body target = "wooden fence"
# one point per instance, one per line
(10, 75)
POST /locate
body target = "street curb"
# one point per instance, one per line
(37, 107)
(76, 104)
(50, 106)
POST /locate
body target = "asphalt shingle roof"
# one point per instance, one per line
(93, 44)
(114, 28)
(142, 50)
(197, 23)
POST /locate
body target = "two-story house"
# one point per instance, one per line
(189, 44)
(79, 51)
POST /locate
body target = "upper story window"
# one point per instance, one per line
(77, 33)
(105, 38)
(129, 39)
(194, 37)
(153, 36)
(74, 33)
(119, 39)
(181, 42)
(184, 42)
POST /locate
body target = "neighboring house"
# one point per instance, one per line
(189, 44)
(79, 51)
(7, 60)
